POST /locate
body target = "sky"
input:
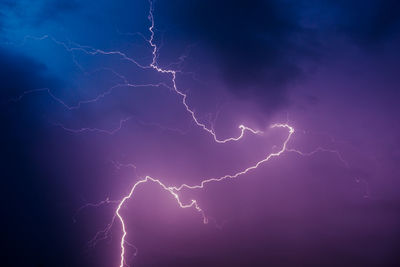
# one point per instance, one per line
(98, 96)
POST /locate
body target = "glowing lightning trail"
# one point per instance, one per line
(183, 95)
(173, 190)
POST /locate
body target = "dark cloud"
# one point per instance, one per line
(20, 73)
(31, 218)
(368, 22)
(5, 6)
(253, 42)
(27, 13)
(261, 46)
(54, 9)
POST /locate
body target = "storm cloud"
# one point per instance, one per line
(262, 47)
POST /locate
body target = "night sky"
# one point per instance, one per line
(85, 115)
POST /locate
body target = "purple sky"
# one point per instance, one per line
(82, 124)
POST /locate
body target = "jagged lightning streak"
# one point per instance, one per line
(87, 129)
(173, 73)
(173, 190)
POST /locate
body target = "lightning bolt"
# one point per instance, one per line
(173, 190)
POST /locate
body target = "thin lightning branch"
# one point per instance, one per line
(86, 129)
(107, 201)
(87, 49)
(320, 149)
(18, 98)
(92, 100)
(103, 234)
(118, 165)
(120, 126)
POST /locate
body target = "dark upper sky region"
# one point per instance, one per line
(70, 129)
